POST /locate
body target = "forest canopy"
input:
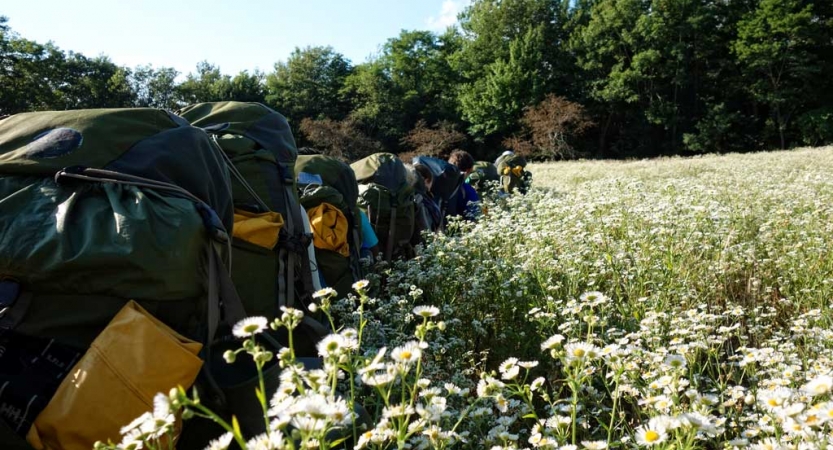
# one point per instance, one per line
(555, 79)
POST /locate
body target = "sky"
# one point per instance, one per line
(232, 34)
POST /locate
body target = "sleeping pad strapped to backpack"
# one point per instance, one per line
(98, 207)
(388, 200)
(336, 236)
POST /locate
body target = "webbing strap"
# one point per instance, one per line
(239, 177)
(391, 233)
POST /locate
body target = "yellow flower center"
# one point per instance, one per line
(578, 353)
(772, 402)
(651, 436)
(406, 354)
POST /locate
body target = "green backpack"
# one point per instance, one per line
(341, 190)
(261, 154)
(484, 177)
(513, 174)
(99, 207)
(388, 200)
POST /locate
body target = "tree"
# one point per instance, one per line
(155, 88)
(513, 53)
(208, 84)
(775, 50)
(439, 140)
(494, 102)
(549, 129)
(309, 84)
(339, 138)
(246, 87)
(410, 80)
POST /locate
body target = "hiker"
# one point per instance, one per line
(429, 203)
(466, 198)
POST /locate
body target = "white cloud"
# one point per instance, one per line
(447, 16)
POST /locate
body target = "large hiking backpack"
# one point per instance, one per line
(484, 177)
(338, 188)
(513, 174)
(261, 154)
(98, 207)
(388, 200)
(446, 184)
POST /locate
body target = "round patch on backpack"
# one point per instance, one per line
(54, 143)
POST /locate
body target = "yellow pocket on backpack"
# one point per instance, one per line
(135, 357)
(261, 229)
(329, 228)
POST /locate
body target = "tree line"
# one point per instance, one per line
(551, 79)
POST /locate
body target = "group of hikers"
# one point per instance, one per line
(132, 240)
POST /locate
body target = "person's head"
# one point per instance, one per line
(426, 175)
(463, 161)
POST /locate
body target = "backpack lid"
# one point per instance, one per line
(384, 169)
(255, 121)
(447, 178)
(510, 161)
(145, 142)
(486, 170)
(42, 143)
(333, 172)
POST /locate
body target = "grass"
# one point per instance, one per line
(672, 303)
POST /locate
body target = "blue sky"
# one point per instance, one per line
(234, 34)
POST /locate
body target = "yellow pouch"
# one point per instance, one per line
(261, 229)
(518, 171)
(134, 358)
(329, 228)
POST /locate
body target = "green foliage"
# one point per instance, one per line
(657, 77)
(775, 48)
(309, 84)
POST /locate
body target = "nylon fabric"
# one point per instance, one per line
(329, 229)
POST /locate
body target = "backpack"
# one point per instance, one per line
(484, 177)
(338, 188)
(261, 153)
(388, 200)
(513, 176)
(100, 207)
(446, 184)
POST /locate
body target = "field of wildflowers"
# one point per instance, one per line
(676, 303)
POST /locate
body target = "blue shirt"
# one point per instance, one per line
(467, 201)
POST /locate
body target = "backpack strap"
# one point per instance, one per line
(392, 229)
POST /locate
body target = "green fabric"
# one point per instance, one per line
(254, 121)
(378, 202)
(381, 168)
(10, 440)
(333, 172)
(342, 191)
(511, 182)
(334, 267)
(145, 142)
(81, 249)
(482, 177)
(106, 134)
(259, 143)
(384, 187)
(136, 242)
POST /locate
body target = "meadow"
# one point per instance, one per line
(671, 303)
